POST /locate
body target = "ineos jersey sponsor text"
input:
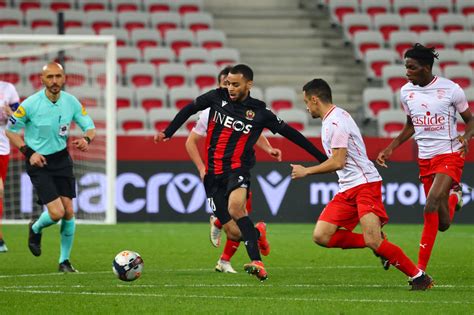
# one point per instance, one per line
(233, 130)
(433, 110)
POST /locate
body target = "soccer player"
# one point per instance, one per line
(431, 104)
(360, 196)
(9, 101)
(236, 120)
(46, 117)
(199, 132)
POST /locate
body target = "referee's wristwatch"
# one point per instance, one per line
(88, 140)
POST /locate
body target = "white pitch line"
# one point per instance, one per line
(257, 298)
(206, 270)
(237, 285)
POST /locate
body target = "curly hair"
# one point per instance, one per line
(424, 55)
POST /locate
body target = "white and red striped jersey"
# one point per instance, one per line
(201, 125)
(8, 96)
(339, 130)
(433, 109)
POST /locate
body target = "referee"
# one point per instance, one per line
(46, 117)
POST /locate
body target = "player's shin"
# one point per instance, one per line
(229, 249)
(68, 228)
(249, 236)
(43, 221)
(397, 258)
(428, 237)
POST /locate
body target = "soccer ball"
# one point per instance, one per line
(127, 265)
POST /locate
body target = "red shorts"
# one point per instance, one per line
(4, 166)
(347, 207)
(450, 164)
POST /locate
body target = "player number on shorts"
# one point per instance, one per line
(212, 204)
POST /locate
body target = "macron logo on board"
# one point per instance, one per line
(274, 188)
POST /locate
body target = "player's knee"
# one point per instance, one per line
(443, 226)
(57, 214)
(372, 243)
(431, 204)
(321, 239)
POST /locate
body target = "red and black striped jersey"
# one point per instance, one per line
(233, 129)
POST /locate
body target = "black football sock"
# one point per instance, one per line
(249, 236)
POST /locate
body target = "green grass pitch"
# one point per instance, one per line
(179, 274)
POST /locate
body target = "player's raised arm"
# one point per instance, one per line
(200, 103)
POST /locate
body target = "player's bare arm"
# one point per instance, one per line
(193, 151)
(336, 162)
(265, 145)
(406, 133)
(467, 136)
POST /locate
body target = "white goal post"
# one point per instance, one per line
(97, 168)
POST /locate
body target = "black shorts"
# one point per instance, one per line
(218, 189)
(54, 179)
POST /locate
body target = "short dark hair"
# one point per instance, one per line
(319, 88)
(224, 72)
(244, 70)
(424, 55)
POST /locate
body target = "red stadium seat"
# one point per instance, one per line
(437, 7)
(61, 5)
(355, 22)
(406, 7)
(449, 57)
(198, 21)
(151, 97)
(451, 22)
(182, 96)
(187, 6)
(10, 17)
(339, 8)
(436, 39)
(153, 6)
(124, 97)
(461, 40)
(390, 122)
(465, 7)
(394, 77)
(132, 20)
(295, 117)
(418, 22)
(203, 75)
(402, 40)
(125, 6)
(376, 100)
(158, 55)
(376, 59)
(365, 41)
(460, 74)
(387, 23)
(280, 97)
(172, 74)
(140, 74)
(160, 118)
(132, 118)
(179, 39)
(375, 7)
(165, 21)
(211, 39)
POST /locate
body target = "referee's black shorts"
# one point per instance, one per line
(54, 179)
(218, 189)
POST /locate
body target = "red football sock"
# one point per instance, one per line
(428, 237)
(346, 239)
(397, 258)
(218, 224)
(452, 202)
(229, 249)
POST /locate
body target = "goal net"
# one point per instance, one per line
(90, 67)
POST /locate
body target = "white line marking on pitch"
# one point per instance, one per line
(236, 285)
(259, 298)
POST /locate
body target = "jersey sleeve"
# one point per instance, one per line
(201, 124)
(273, 122)
(403, 102)
(339, 135)
(459, 99)
(204, 101)
(13, 98)
(82, 118)
(18, 120)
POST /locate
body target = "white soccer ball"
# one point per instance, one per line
(128, 265)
